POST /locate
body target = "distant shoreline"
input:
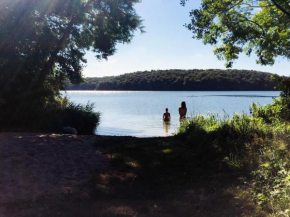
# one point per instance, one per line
(182, 80)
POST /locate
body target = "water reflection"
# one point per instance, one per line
(166, 127)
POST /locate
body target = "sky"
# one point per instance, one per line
(167, 44)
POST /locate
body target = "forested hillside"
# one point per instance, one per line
(204, 80)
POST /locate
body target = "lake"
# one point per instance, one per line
(139, 113)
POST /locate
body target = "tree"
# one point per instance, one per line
(236, 26)
(43, 42)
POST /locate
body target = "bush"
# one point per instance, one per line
(82, 118)
(257, 146)
(278, 111)
(47, 114)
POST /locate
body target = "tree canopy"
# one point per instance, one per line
(43, 42)
(236, 26)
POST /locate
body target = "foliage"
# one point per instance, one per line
(47, 39)
(280, 109)
(226, 138)
(212, 79)
(83, 118)
(257, 145)
(272, 112)
(236, 26)
(43, 115)
(284, 85)
(43, 43)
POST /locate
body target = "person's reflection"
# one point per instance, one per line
(166, 126)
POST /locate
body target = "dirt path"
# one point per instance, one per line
(47, 175)
(34, 166)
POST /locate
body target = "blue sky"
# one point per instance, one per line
(167, 44)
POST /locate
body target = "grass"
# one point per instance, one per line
(256, 146)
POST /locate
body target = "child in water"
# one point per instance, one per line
(166, 116)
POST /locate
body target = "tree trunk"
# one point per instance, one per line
(48, 67)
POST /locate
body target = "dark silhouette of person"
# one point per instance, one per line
(182, 111)
(166, 116)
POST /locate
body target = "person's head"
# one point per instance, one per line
(166, 109)
(183, 105)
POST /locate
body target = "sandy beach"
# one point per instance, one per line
(33, 166)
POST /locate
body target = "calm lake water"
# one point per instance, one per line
(137, 113)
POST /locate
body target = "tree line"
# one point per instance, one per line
(182, 80)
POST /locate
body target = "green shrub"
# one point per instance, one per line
(257, 146)
(47, 114)
(82, 118)
(278, 111)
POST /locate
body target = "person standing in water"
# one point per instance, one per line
(166, 116)
(182, 111)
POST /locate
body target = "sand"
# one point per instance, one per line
(38, 165)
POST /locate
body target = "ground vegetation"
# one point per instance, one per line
(257, 145)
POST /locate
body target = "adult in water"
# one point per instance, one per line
(166, 116)
(182, 111)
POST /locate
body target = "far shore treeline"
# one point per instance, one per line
(182, 80)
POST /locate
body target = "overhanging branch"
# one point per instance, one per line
(281, 8)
